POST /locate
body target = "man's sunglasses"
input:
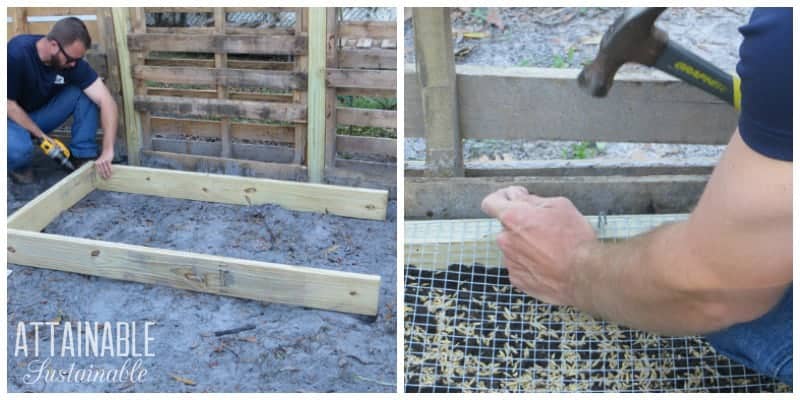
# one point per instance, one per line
(68, 57)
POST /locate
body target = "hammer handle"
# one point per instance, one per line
(681, 63)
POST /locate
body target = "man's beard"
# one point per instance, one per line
(55, 63)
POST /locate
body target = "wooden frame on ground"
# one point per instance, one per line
(270, 282)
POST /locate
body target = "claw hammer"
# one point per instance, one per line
(633, 37)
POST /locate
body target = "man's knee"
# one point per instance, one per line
(71, 91)
(20, 147)
(85, 107)
(72, 94)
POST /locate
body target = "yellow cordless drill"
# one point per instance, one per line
(56, 150)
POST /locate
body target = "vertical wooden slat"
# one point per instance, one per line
(300, 65)
(437, 81)
(139, 24)
(19, 23)
(132, 127)
(331, 61)
(221, 61)
(105, 25)
(317, 34)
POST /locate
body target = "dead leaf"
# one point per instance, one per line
(331, 249)
(251, 339)
(592, 39)
(58, 318)
(639, 155)
(183, 380)
(463, 51)
(476, 35)
(493, 18)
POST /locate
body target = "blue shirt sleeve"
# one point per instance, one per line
(81, 75)
(15, 77)
(765, 69)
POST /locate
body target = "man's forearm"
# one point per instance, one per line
(109, 122)
(653, 282)
(18, 115)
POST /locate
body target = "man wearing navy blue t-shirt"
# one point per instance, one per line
(726, 272)
(48, 81)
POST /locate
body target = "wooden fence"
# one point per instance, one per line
(233, 98)
(479, 102)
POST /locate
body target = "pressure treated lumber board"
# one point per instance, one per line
(437, 244)
(317, 41)
(40, 211)
(339, 200)
(546, 103)
(309, 287)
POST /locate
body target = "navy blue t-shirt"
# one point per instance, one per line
(765, 67)
(31, 83)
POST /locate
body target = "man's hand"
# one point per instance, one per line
(103, 163)
(43, 136)
(100, 95)
(540, 239)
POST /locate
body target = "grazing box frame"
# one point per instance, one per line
(263, 281)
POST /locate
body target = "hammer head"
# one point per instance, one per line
(631, 38)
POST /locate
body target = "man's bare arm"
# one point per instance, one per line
(729, 263)
(109, 119)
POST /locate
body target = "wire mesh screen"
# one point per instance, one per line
(467, 329)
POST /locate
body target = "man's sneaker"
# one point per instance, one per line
(22, 177)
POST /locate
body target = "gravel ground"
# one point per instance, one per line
(291, 348)
(566, 38)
